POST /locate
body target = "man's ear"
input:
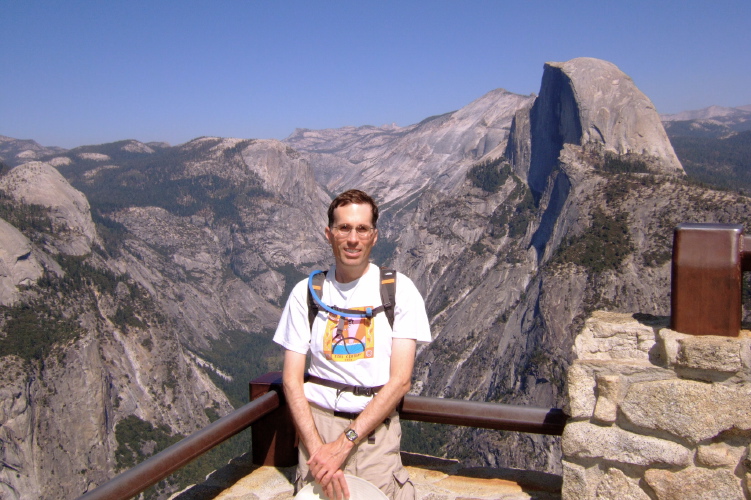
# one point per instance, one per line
(329, 235)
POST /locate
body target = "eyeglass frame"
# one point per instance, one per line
(338, 232)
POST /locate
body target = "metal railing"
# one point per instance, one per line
(496, 416)
(274, 441)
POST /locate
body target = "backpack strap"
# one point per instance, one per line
(388, 293)
(317, 287)
(388, 297)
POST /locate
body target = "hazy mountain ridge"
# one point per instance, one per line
(714, 145)
(197, 245)
(714, 121)
(718, 112)
(16, 151)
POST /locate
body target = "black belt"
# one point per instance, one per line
(357, 390)
(346, 414)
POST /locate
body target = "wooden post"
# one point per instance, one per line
(274, 439)
(706, 280)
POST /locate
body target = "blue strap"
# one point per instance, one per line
(368, 313)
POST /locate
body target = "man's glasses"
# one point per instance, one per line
(344, 230)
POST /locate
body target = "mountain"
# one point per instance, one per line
(738, 114)
(714, 145)
(712, 122)
(402, 162)
(17, 151)
(515, 216)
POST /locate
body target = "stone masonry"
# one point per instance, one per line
(656, 414)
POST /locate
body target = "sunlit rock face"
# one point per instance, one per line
(18, 265)
(400, 162)
(38, 183)
(590, 102)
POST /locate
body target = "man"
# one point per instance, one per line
(341, 431)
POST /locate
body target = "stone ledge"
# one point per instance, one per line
(656, 416)
(708, 357)
(434, 479)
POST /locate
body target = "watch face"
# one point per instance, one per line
(350, 434)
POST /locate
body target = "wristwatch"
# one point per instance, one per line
(351, 435)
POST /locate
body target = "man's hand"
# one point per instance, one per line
(325, 465)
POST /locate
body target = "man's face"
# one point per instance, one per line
(352, 251)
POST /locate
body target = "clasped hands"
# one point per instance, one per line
(325, 465)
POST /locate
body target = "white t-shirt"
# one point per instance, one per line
(353, 351)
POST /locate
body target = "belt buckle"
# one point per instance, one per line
(362, 391)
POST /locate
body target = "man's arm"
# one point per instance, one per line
(330, 456)
(293, 378)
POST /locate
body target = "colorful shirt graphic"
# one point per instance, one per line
(348, 339)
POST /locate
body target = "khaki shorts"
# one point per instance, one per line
(378, 462)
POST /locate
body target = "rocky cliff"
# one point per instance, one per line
(399, 163)
(587, 102)
(515, 215)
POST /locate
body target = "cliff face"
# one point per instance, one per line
(18, 266)
(515, 216)
(83, 346)
(37, 183)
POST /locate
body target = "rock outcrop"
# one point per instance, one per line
(38, 183)
(18, 265)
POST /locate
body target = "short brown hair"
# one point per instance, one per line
(353, 196)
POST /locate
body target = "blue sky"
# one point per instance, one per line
(90, 72)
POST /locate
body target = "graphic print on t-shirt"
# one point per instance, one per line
(348, 339)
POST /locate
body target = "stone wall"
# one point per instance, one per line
(656, 414)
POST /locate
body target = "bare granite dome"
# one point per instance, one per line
(39, 183)
(587, 102)
(614, 112)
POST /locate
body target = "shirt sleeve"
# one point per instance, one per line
(410, 317)
(293, 331)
